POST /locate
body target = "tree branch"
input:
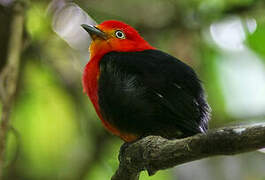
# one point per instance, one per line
(8, 76)
(155, 153)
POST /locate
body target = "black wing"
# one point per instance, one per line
(151, 92)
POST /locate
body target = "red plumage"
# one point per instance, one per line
(113, 52)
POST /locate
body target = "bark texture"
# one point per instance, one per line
(9, 75)
(155, 153)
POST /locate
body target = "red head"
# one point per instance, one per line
(114, 36)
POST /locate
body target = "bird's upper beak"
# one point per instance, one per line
(94, 31)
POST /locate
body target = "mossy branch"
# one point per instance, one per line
(155, 153)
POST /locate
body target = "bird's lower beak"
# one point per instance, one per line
(94, 31)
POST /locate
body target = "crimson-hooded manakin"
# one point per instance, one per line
(138, 90)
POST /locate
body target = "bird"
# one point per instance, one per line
(138, 90)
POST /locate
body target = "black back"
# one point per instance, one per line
(151, 93)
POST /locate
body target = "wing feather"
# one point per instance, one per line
(150, 90)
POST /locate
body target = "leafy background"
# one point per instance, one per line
(57, 134)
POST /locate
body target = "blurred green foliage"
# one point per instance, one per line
(37, 24)
(57, 134)
(257, 39)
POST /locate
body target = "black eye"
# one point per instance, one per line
(120, 34)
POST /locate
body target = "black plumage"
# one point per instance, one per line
(151, 93)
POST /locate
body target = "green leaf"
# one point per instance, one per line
(256, 40)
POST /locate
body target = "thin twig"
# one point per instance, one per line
(155, 153)
(8, 76)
